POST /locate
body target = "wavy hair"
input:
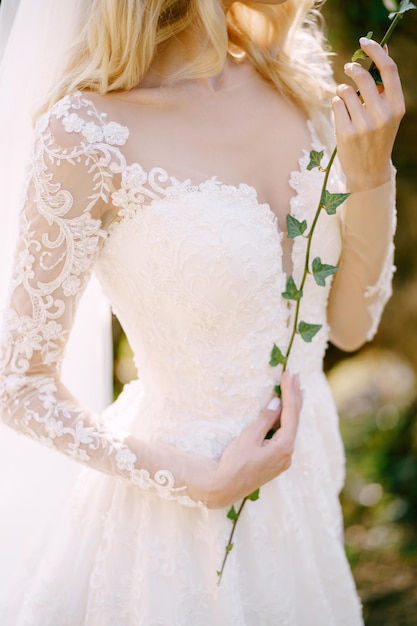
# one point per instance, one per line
(121, 38)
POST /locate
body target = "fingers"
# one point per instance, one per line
(291, 402)
(341, 115)
(364, 81)
(381, 106)
(287, 411)
(367, 124)
(386, 66)
(268, 418)
(350, 108)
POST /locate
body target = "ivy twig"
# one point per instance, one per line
(329, 202)
(234, 515)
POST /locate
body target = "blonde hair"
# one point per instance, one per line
(121, 38)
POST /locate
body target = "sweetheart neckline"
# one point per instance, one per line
(187, 186)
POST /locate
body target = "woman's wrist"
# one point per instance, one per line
(368, 181)
(219, 495)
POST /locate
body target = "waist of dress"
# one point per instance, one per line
(206, 425)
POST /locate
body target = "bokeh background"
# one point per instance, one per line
(375, 388)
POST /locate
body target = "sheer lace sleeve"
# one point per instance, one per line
(363, 284)
(62, 228)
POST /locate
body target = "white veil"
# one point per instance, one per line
(34, 36)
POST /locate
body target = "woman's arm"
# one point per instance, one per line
(366, 127)
(61, 234)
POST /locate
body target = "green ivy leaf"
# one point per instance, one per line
(254, 496)
(278, 390)
(359, 53)
(308, 331)
(405, 5)
(321, 271)
(291, 292)
(229, 547)
(232, 515)
(277, 358)
(330, 201)
(315, 159)
(294, 227)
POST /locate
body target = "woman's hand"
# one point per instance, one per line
(366, 126)
(250, 460)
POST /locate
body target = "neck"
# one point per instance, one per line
(178, 52)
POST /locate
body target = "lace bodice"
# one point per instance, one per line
(194, 271)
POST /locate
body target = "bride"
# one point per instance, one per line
(167, 158)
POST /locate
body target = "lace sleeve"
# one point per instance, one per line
(363, 284)
(61, 233)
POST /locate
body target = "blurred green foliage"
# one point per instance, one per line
(378, 415)
(347, 21)
(398, 465)
(376, 398)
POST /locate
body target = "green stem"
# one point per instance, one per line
(393, 24)
(229, 543)
(387, 35)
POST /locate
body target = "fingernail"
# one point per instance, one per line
(348, 66)
(274, 404)
(365, 41)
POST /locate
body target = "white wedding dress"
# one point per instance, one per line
(194, 270)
